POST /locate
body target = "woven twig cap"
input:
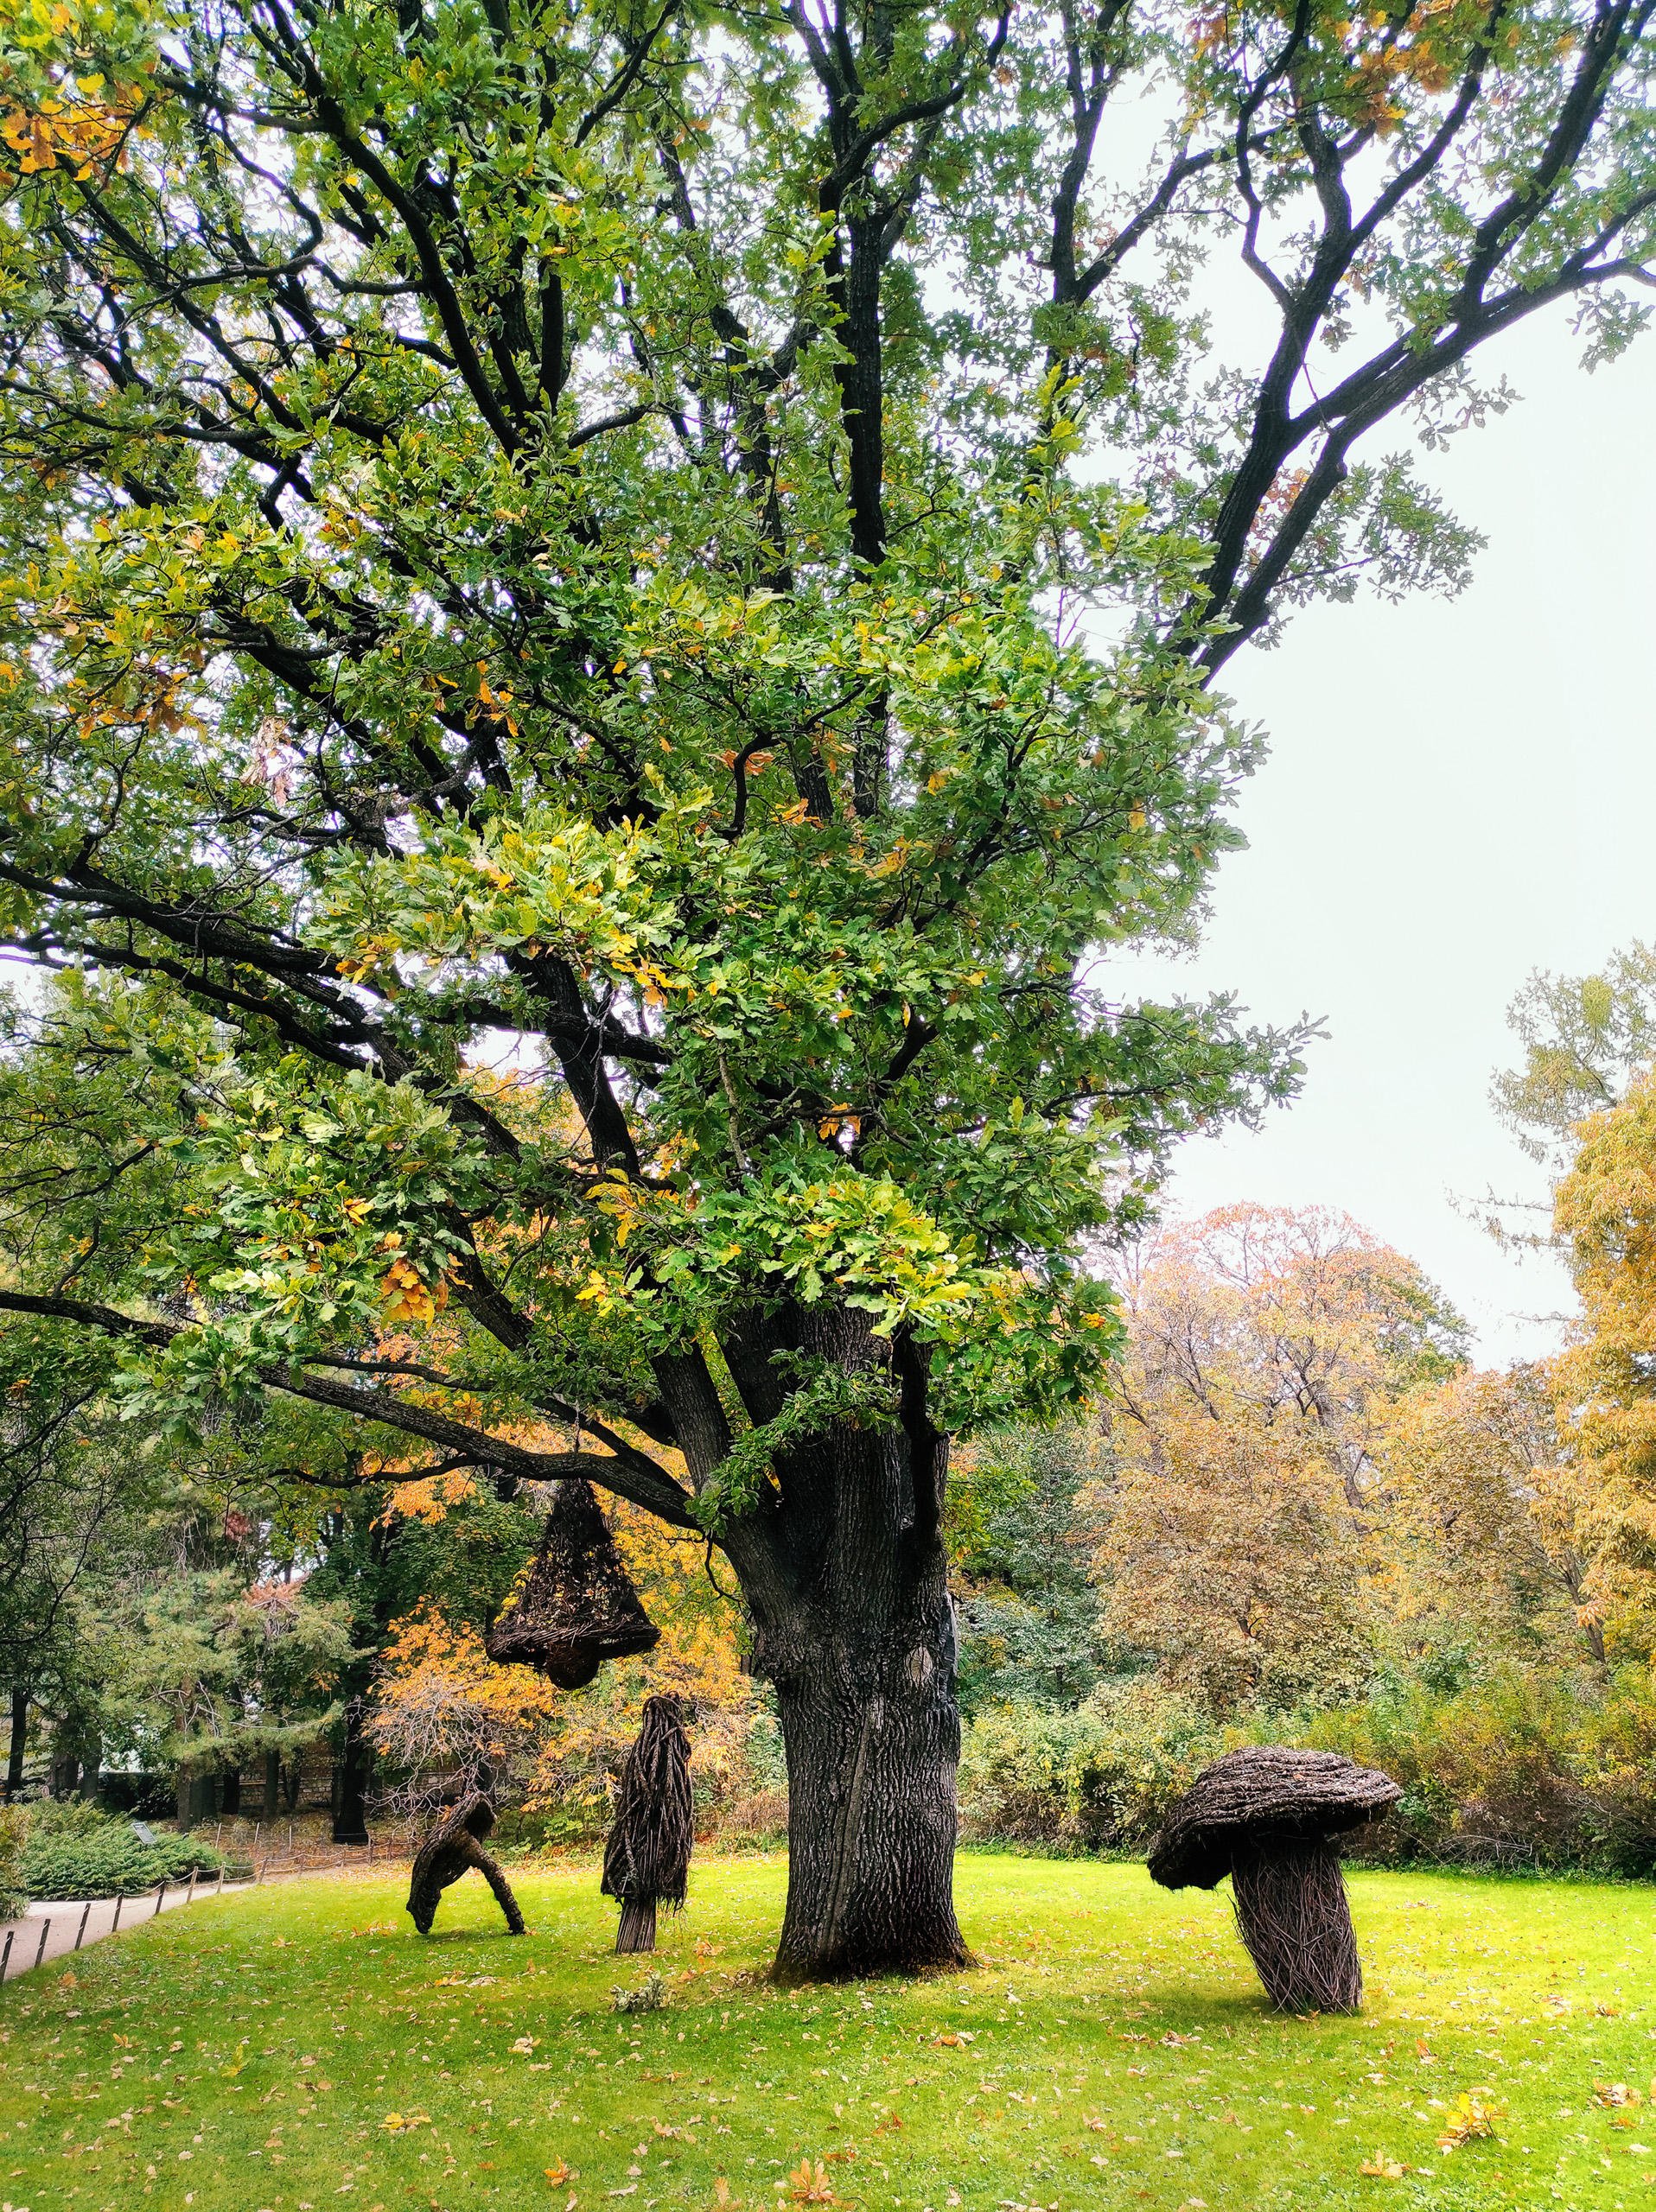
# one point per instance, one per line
(1260, 1792)
(576, 1606)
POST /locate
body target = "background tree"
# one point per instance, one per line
(1023, 1523)
(1267, 1352)
(1603, 1387)
(565, 524)
(1584, 1037)
(208, 1678)
(1482, 1547)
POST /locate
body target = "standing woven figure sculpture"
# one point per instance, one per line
(453, 1846)
(646, 1860)
(1264, 1815)
(576, 1606)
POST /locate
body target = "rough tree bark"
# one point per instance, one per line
(873, 1740)
(855, 1628)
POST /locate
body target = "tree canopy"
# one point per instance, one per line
(606, 611)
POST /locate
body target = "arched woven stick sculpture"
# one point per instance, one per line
(646, 1860)
(576, 1606)
(1263, 1817)
(452, 1847)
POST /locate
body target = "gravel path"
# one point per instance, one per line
(61, 1921)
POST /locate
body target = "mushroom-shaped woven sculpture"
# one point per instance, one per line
(453, 1846)
(1263, 1817)
(576, 1606)
(646, 1858)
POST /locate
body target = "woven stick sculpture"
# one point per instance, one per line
(1264, 1815)
(576, 1606)
(453, 1846)
(646, 1860)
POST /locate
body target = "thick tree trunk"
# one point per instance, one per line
(857, 1630)
(873, 1740)
(230, 1791)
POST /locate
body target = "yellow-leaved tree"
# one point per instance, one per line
(1482, 1545)
(1604, 1384)
(1267, 1349)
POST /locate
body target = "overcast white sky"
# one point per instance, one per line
(1457, 793)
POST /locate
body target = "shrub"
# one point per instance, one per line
(1517, 1767)
(1503, 1772)
(104, 1857)
(13, 1895)
(1099, 1777)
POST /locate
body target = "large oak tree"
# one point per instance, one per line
(608, 609)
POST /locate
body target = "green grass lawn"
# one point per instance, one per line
(301, 2049)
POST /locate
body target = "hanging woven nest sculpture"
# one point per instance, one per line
(455, 1844)
(1264, 1815)
(576, 1606)
(646, 1858)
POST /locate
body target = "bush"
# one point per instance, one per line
(104, 1858)
(1520, 1768)
(14, 1895)
(1517, 1767)
(1098, 1778)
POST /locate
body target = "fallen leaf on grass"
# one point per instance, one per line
(399, 2123)
(955, 2037)
(1381, 2168)
(1614, 2093)
(560, 2173)
(809, 2185)
(1469, 2118)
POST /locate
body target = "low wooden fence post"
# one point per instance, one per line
(80, 1933)
(39, 1949)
